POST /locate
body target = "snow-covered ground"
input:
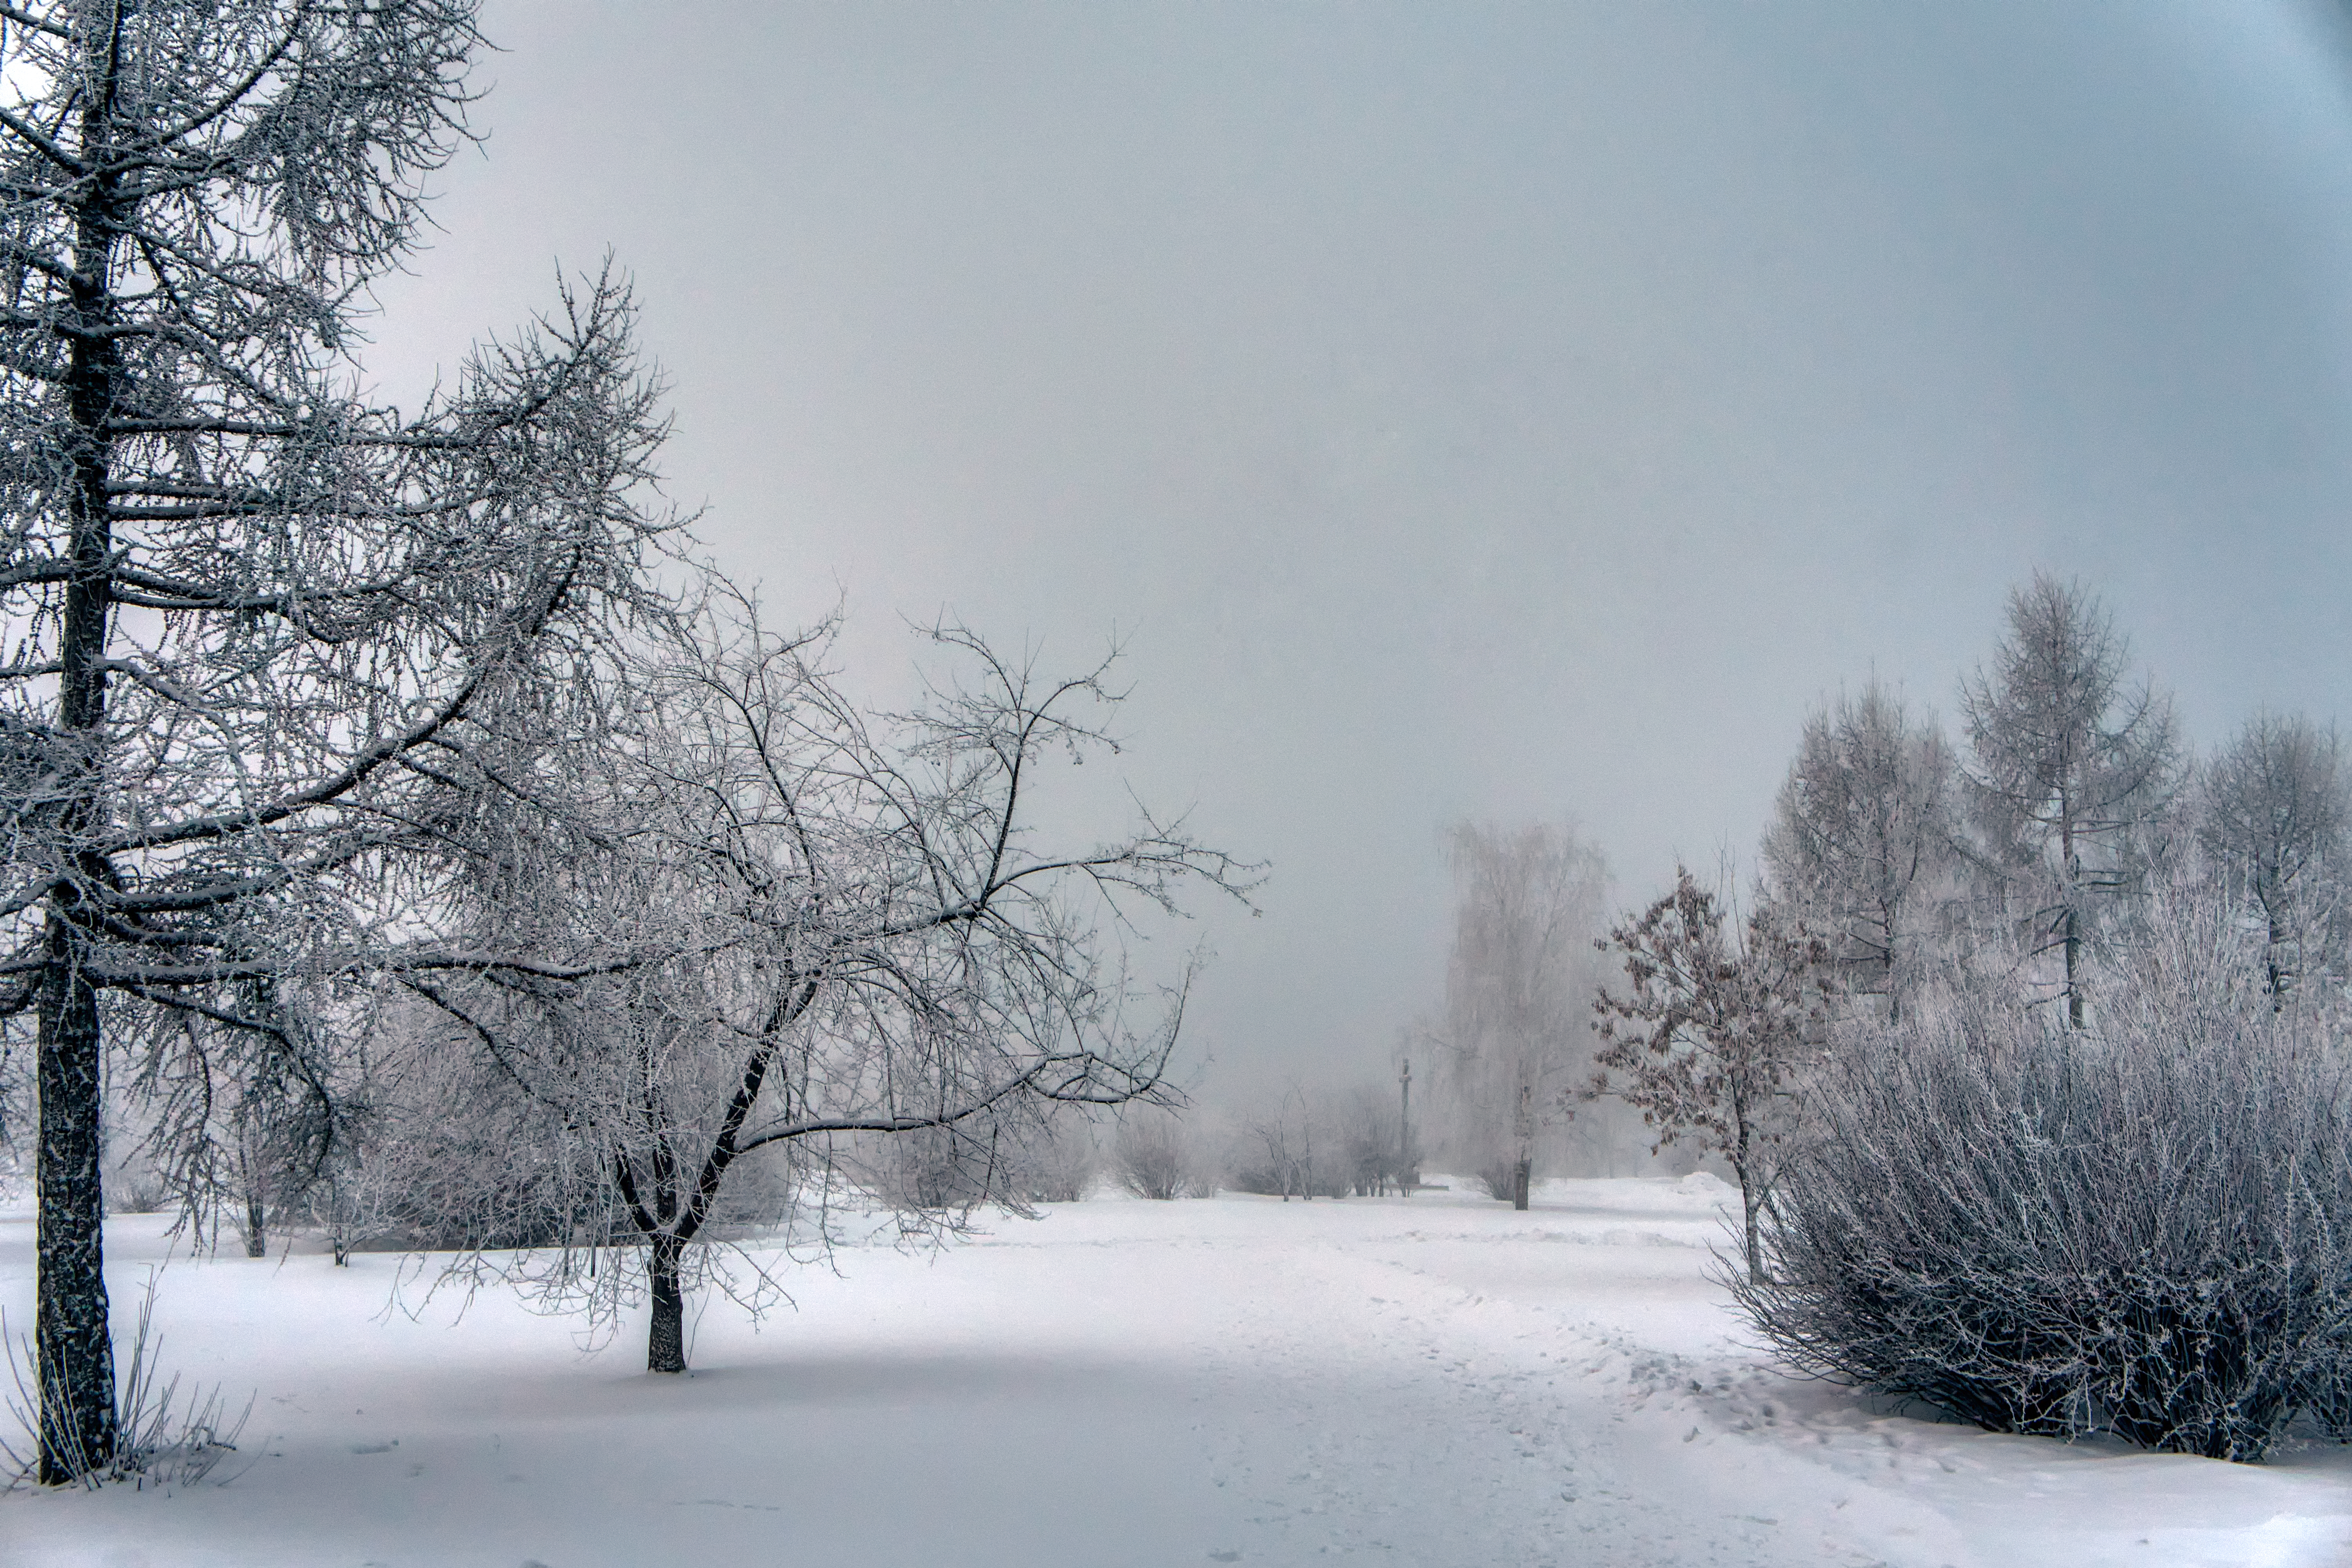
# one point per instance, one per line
(1432, 1380)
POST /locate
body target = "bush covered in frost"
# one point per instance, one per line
(2144, 1229)
(1153, 1158)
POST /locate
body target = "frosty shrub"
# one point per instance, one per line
(2145, 1230)
(1153, 1159)
(1057, 1164)
(1012, 1159)
(456, 1163)
(942, 1168)
(1294, 1182)
(1498, 1175)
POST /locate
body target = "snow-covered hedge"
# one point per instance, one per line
(2144, 1229)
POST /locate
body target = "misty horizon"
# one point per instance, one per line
(1521, 415)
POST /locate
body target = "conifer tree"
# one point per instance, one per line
(2071, 765)
(251, 615)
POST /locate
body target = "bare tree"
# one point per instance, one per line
(245, 608)
(765, 921)
(1316, 1142)
(2275, 813)
(1274, 1156)
(1305, 1146)
(1861, 845)
(1518, 988)
(2069, 765)
(1714, 1035)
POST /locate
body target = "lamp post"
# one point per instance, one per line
(1407, 1178)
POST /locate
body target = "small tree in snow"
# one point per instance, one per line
(1292, 1149)
(768, 921)
(1711, 1035)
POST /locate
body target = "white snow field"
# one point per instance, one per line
(1434, 1380)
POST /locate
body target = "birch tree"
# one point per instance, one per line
(2069, 762)
(250, 614)
(1518, 988)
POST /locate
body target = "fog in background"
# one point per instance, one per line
(1503, 412)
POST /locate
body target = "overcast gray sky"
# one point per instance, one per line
(1494, 410)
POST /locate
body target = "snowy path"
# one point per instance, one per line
(1424, 1382)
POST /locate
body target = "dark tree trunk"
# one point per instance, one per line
(2073, 981)
(75, 1357)
(1524, 1127)
(75, 1354)
(2072, 864)
(2275, 962)
(1752, 1203)
(666, 1343)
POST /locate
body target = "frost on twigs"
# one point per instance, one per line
(257, 619)
(2144, 1230)
(1715, 1036)
(790, 963)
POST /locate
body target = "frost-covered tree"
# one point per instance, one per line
(1518, 990)
(2273, 817)
(1376, 1146)
(1862, 847)
(249, 615)
(765, 921)
(1058, 1161)
(1288, 1149)
(2069, 766)
(1714, 1035)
